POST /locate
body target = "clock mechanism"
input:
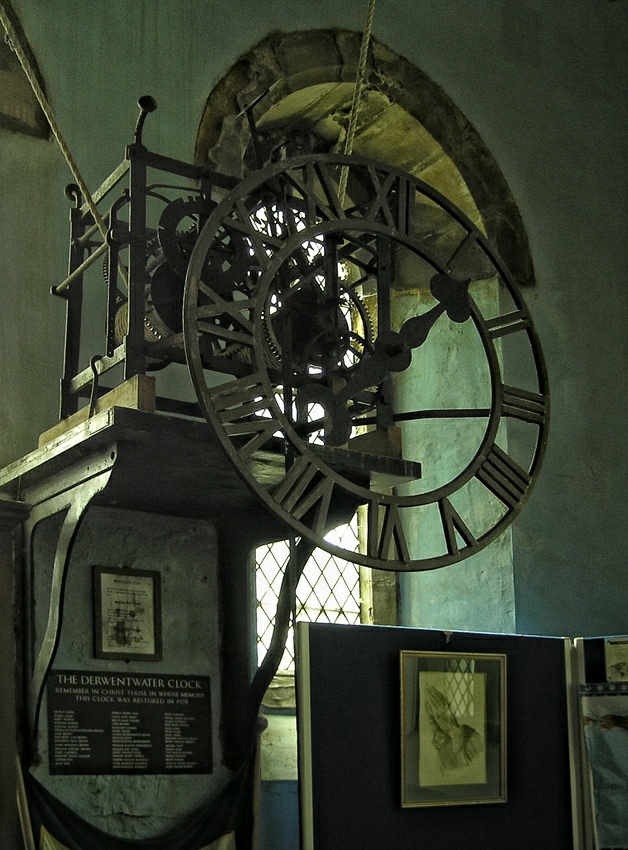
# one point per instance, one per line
(356, 349)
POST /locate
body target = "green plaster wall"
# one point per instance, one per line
(31, 322)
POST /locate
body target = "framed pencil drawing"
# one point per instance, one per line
(453, 728)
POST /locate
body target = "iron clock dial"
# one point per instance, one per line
(332, 399)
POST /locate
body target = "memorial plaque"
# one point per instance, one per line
(127, 614)
(128, 723)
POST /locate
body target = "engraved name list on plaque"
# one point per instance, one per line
(109, 723)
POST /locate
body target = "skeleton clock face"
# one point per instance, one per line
(373, 353)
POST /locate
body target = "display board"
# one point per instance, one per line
(350, 743)
(603, 676)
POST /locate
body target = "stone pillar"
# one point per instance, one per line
(11, 515)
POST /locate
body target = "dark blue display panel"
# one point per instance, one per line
(351, 746)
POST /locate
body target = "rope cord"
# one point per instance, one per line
(357, 97)
(18, 43)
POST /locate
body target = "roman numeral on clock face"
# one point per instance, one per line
(453, 526)
(306, 488)
(507, 324)
(524, 405)
(239, 399)
(240, 406)
(392, 201)
(386, 537)
(457, 261)
(318, 191)
(503, 477)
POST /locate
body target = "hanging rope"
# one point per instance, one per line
(20, 47)
(357, 97)
(19, 44)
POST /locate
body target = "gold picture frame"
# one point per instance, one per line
(453, 728)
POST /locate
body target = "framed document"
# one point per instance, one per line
(616, 658)
(453, 728)
(127, 614)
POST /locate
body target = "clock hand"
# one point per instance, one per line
(392, 352)
(453, 297)
(453, 294)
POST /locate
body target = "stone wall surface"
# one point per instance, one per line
(184, 554)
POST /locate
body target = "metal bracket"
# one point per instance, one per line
(74, 498)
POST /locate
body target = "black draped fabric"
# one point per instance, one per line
(226, 812)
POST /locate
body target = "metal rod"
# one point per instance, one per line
(454, 413)
(184, 169)
(57, 290)
(86, 236)
(108, 184)
(86, 376)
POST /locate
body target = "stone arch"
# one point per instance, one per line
(300, 85)
(19, 109)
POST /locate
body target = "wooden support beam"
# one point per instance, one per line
(138, 393)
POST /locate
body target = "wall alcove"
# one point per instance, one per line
(299, 86)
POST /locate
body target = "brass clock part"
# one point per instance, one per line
(333, 335)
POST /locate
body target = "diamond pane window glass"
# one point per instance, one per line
(460, 687)
(328, 590)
